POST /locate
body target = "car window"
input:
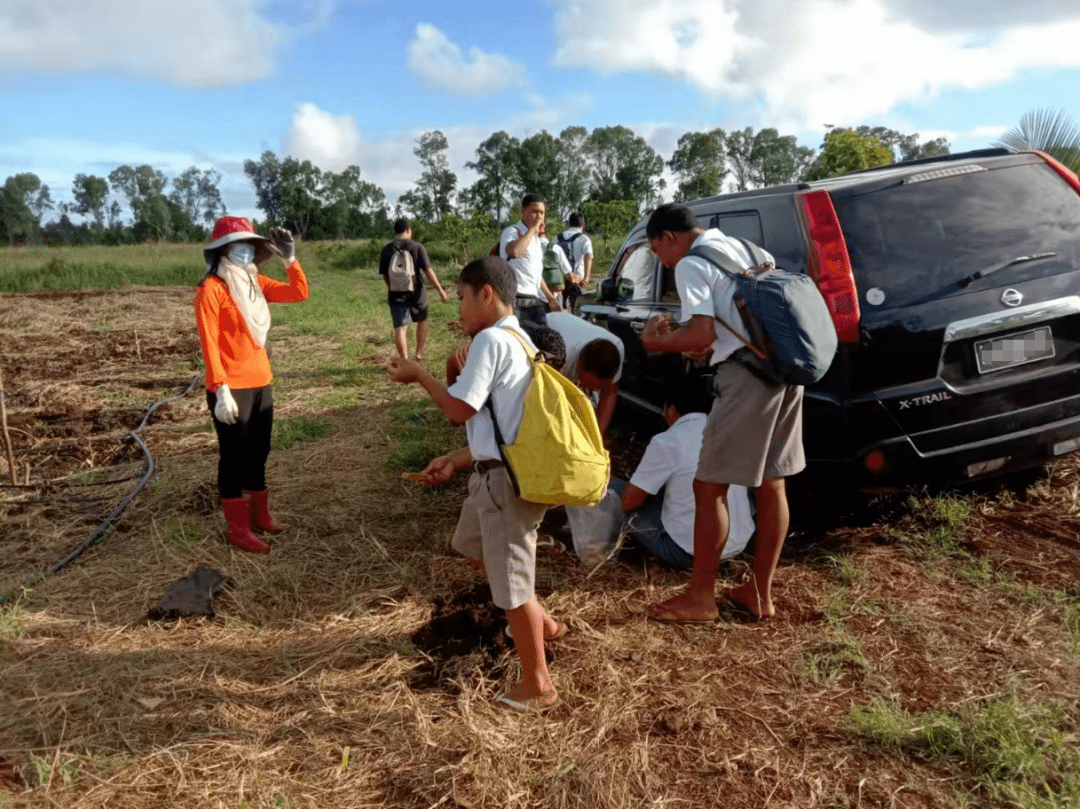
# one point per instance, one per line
(638, 265)
(919, 239)
(740, 225)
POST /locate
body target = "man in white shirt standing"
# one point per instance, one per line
(520, 244)
(753, 435)
(578, 249)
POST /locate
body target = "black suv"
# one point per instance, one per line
(954, 286)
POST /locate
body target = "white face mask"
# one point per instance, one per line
(242, 254)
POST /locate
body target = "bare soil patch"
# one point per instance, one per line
(357, 664)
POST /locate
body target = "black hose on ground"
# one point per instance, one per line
(101, 531)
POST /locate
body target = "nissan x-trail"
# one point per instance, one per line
(954, 287)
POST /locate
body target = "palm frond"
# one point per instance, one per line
(1046, 130)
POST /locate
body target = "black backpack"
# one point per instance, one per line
(566, 246)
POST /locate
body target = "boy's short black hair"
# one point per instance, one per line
(494, 272)
(529, 199)
(600, 358)
(576, 220)
(670, 216)
(549, 341)
(401, 225)
(689, 393)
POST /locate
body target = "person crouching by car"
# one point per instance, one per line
(664, 526)
(233, 319)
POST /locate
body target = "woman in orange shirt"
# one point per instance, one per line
(233, 318)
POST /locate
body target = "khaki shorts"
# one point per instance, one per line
(754, 429)
(499, 527)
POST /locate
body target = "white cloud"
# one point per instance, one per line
(806, 62)
(989, 132)
(331, 142)
(433, 57)
(193, 43)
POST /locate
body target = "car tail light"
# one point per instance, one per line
(1066, 173)
(830, 265)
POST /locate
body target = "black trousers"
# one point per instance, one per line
(530, 310)
(243, 447)
(571, 295)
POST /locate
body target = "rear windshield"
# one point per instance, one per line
(916, 241)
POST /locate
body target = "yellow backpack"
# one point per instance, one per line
(559, 456)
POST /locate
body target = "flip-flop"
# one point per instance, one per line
(675, 617)
(549, 542)
(560, 633)
(524, 707)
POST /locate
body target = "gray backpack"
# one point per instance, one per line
(402, 273)
(792, 336)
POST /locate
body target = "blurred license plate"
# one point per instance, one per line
(1016, 349)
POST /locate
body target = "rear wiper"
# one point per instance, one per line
(975, 276)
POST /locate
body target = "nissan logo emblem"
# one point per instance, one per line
(1010, 297)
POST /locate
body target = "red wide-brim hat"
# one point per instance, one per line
(229, 229)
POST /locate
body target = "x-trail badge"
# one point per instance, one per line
(1011, 297)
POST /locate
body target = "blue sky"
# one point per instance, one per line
(86, 86)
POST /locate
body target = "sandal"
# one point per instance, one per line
(552, 544)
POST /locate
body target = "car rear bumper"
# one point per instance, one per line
(894, 463)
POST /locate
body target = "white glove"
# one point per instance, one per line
(226, 410)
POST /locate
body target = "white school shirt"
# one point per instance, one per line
(581, 247)
(671, 461)
(705, 289)
(497, 367)
(577, 333)
(528, 269)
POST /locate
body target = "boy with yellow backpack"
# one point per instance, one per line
(533, 442)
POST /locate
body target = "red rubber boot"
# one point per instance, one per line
(238, 516)
(260, 513)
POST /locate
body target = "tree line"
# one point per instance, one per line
(610, 172)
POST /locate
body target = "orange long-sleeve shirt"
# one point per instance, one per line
(230, 354)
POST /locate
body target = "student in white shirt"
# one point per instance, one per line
(753, 435)
(665, 526)
(497, 529)
(578, 249)
(520, 244)
(594, 359)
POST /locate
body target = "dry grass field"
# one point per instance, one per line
(926, 651)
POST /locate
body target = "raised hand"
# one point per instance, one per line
(284, 244)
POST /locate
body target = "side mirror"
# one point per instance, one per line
(626, 289)
(608, 290)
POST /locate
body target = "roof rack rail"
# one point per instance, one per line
(945, 158)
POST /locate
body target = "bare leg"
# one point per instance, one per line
(772, 526)
(551, 626)
(536, 688)
(698, 603)
(421, 339)
(401, 341)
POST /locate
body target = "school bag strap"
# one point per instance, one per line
(490, 405)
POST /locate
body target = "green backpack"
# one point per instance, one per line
(555, 266)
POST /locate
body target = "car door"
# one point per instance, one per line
(638, 286)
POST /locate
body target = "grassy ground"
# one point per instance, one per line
(926, 654)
